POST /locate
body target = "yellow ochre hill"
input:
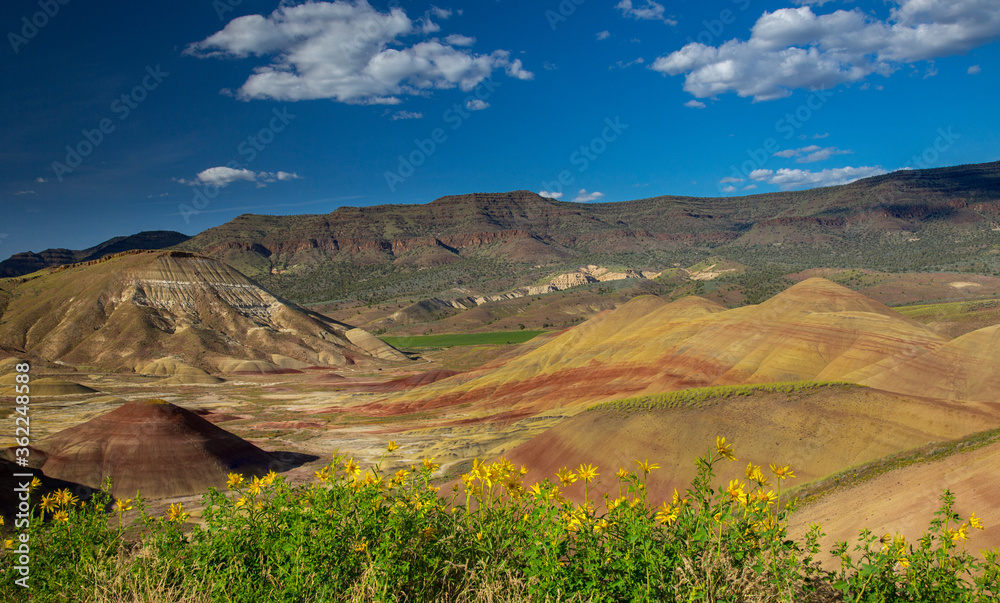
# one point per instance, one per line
(815, 330)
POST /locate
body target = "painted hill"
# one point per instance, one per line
(154, 447)
(127, 310)
(815, 330)
(817, 429)
(27, 262)
(965, 368)
(904, 220)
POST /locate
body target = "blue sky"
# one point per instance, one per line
(182, 115)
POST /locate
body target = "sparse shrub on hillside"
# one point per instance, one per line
(367, 535)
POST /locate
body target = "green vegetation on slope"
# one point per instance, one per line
(446, 341)
(703, 397)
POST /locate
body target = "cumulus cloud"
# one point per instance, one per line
(729, 180)
(550, 194)
(406, 115)
(603, 35)
(788, 179)
(224, 176)
(811, 153)
(348, 51)
(728, 189)
(476, 104)
(460, 40)
(650, 11)
(41, 180)
(584, 197)
(796, 48)
(695, 104)
(973, 70)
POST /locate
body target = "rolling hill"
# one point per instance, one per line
(127, 310)
(814, 331)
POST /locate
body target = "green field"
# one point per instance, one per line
(448, 341)
(964, 310)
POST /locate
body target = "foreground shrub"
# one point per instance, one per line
(369, 535)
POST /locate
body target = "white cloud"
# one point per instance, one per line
(41, 180)
(441, 13)
(796, 48)
(584, 197)
(224, 176)
(550, 194)
(728, 189)
(476, 104)
(603, 35)
(730, 179)
(460, 40)
(973, 70)
(25, 193)
(795, 178)
(651, 11)
(811, 153)
(695, 104)
(406, 115)
(750, 187)
(624, 65)
(350, 52)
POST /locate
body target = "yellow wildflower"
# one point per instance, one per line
(123, 505)
(666, 514)
(725, 450)
(8, 544)
(176, 513)
(351, 468)
(49, 502)
(782, 472)
(523, 470)
(360, 546)
(622, 473)
(735, 489)
(647, 466)
(975, 522)
(255, 486)
(588, 472)
(61, 515)
(235, 479)
(268, 478)
(393, 445)
(566, 476)
(429, 465)
(35, 483)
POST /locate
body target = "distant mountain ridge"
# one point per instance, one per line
(27, 262)
(906, 220)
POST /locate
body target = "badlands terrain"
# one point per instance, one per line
(852, 332)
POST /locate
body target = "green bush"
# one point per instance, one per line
(366, 535)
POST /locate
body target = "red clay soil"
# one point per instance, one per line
(154, 447)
